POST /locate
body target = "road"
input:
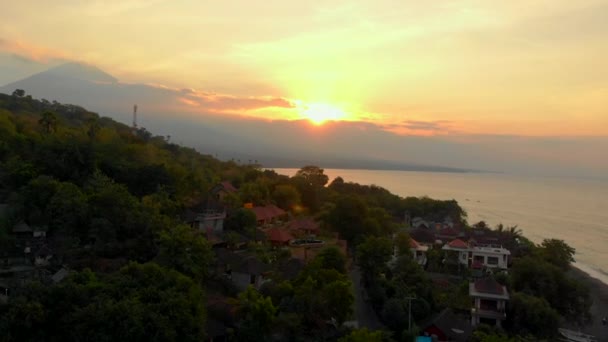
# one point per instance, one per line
(364, 313)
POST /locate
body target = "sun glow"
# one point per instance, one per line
(319, 113)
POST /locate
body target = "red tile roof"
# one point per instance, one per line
(306, 224)
(278, 235)
(458, 244)
(228, 187)
(414, 243)
(489, 285)
(268, 212)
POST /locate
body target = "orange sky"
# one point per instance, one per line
(445, 68)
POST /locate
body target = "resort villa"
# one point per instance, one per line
(472, 255)
(489, 301)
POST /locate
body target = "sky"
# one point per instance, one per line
(463, 72)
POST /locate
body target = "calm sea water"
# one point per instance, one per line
(574, 210)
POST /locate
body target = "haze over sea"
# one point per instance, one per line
(574, 210)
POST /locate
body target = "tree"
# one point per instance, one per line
(557, 252)
(373, 254)
(338, 299)
(332, 258)
(134, 304)
(313, 175)
(68, 210)
(532, 315)
(310, 182)
(402, 243)
(257, 315)
(254, 192)
(537, 277)
(93, 127)
(286, 196)
(394, 314)
(19, 93)
(363, 335)
(186, 251)
(241, 220)
(48, 121)
(349, 218)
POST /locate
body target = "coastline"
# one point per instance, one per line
(599, 294)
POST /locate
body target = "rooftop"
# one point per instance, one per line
(488, 288)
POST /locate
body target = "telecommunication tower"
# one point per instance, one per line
(135, 117)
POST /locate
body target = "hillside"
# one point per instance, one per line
(111, 233)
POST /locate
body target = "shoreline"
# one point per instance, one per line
(598, 291)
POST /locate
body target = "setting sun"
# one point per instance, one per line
(319, 113)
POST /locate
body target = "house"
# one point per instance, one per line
(458, 252)
(207, 219)
(304, 226)
(249, 271)
(419, 222)
(223, 189)
(242, 269)
(447, 326)
(278, 236)
(490, 256)
(418, 252)
(423, 236)
(268, 214)
(489, 302)
(470, 254)
(447, 233)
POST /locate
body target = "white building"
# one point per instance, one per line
(488, 256)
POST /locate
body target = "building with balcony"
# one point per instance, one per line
(470, 254)
(489, 300)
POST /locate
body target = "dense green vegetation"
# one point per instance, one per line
(110, 199)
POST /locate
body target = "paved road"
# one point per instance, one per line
(364, 313)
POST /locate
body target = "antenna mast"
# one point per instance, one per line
(135, 117)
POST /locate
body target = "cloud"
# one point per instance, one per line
(30, 53)
(420, 127)
(222, 102)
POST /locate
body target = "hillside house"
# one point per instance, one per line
(306, 226)
(418, 252)
(489, 300)
(278, 237)
(242, 269)
(268, 214)
(223, 189)
(470, 254)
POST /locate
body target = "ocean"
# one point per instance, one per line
(574, 210)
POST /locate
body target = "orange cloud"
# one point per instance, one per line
(420, 127)
(31, 52)
(223, 102)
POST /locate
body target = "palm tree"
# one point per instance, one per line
(48, 121)
(514, 231)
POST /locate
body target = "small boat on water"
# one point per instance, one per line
(575, 336)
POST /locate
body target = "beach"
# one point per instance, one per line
(599, 309)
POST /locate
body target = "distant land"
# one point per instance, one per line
(92, 88)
